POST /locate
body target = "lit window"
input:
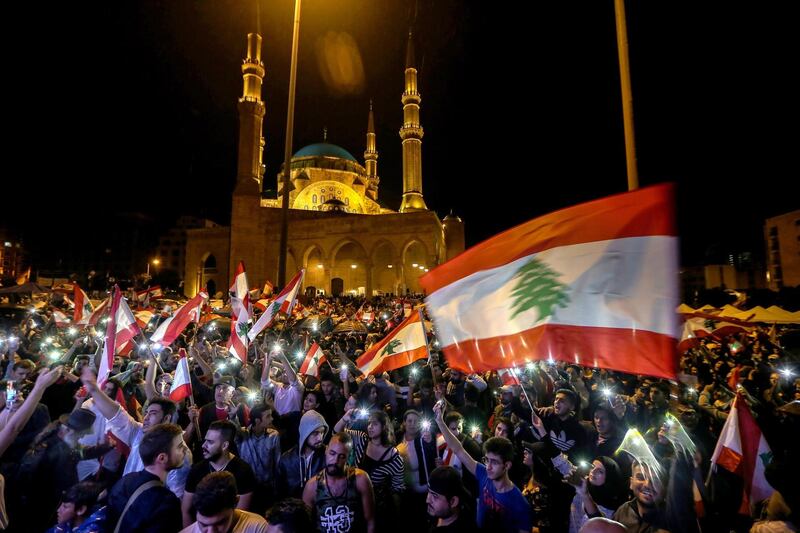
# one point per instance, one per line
(314, 199)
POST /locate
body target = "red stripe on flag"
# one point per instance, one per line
(729, 460)
(183, 391)
(638, 352)
(393, 362)
(750, 435)
(641, 213)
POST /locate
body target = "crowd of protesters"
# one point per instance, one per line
(260, 447)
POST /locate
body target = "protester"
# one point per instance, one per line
(447, 501)
(305, 460)
(216, 504)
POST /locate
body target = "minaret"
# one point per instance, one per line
(371, 154)
(251, 117)
(411, 133)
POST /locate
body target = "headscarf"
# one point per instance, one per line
(611, 494)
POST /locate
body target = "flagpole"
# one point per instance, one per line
(427, 348)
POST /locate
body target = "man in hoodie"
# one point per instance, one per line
(305, 460)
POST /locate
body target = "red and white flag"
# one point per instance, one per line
(120, 331)
(700, 325)
(171, 328)
(404, 345)
(99, 312)
(83, 307)
(182, 382)
(742, 450)
(240, 314)
(594, 283)
(509, 376)
(61, 320)
(314, 359)
(283, 303)
(267, 290)
(150, 293)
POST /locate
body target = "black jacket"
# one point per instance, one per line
(156, 510)
(290, 474)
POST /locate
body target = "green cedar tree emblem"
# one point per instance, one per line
(276, 306)
(538, 286)
(389, 348)
(242, 329)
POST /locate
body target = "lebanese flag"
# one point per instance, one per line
(98, 313)
(143, 297)
(120, 331)
(181, 383)
(406, 309)
(171, 328)
(83, 307)
(283, 303)
(701, 325)
(742, 450)
(240, 314)
(61, 320)
(143, 317)
(267, 290)
(262, 304)
(404, 345)
(597, 282)
(314, 359)
(509, 376)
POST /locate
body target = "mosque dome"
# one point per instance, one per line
(324, 150)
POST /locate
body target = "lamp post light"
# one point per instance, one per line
(156, 262)
(287, 154)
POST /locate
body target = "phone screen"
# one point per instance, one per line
(11, 393)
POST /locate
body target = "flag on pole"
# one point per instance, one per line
(150, 293)
(240, 314)
(83, 307)
(314, 359)
(404, 345)
(99, 311)
(171, 328)
(120, 331)
(267, 290)
(61, 320)
(509, 376)
(593, 283)
(283, 303)
(181, 383)
(742, 450)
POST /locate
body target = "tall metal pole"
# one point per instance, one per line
(287, 154)
(627, 95)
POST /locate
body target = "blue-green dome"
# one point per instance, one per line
(324, 150)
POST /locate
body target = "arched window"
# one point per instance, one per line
(314, 199)
(346, 201)
(322, 199)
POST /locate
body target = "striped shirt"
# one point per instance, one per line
(386, 474)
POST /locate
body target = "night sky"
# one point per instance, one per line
(131, 106)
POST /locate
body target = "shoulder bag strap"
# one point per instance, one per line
(138, 492)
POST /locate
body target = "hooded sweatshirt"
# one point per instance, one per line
(294, 470)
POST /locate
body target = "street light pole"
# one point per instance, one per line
(287, 154)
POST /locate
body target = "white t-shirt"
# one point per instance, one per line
(245, 522)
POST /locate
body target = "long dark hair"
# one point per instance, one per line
(363, 394)
(387, 431)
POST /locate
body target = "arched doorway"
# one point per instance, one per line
(310, 291)
(211, 288)
(384, 271)
(414, 265)
(350, 265)
(337, 286)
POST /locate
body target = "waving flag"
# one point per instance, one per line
(595, 282)
(61, 320)
(98, 313)
(267, 290)
(240, 314)
(182, 382)
(509, 376)
(314, 359)
(742, 450)
(171, 328)
(283, 303)
(404, 345)
(83, 307)
(120, 331)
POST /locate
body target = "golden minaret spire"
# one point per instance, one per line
(371, 153)
(251, 118)
(411, 134)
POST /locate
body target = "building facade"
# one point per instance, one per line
(782, 236)
(348, 242)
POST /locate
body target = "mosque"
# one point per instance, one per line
(339, 231)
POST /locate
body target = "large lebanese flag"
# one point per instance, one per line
(83, 307)
(120, 331)
(181, 383)
(404, 345)
(171, 328)
(283, 303)
(742, 450)
(314, 359)
(592, 284)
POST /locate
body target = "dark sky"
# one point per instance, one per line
(131, 106)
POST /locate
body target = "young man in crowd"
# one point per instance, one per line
(305, 460)
(259, 446)
(140, 501)
(341, 494)
(291, 515)
(447, 500)
(501, 506)
(222, 408)
(131, 432)
(217, 457)
(216, 508)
